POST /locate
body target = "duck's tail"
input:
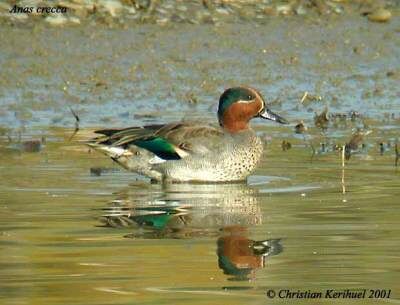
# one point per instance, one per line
(114, 152)
(134, 159)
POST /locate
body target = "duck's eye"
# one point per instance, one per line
(137, 153)
(250, 97)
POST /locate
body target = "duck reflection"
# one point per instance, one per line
(222, 211)
(240, 256)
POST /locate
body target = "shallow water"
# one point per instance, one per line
(69, 235)
(74, 228)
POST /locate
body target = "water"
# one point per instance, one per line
(71, 236)
(74, 228)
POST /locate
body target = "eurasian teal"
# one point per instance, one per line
(194, 151)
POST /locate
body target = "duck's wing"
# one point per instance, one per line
(113, 134)
(172, 141)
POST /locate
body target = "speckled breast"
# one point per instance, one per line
(234, 161)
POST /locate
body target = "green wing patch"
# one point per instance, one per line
(158, 146)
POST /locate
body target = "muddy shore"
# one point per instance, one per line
(125, 13)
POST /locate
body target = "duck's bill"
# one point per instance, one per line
(269, 115)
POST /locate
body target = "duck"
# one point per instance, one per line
(194, 151)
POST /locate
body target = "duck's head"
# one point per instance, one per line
(238, 105)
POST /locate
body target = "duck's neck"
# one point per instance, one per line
(235, 126)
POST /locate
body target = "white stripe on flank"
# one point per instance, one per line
(117, 151)
(156, 160)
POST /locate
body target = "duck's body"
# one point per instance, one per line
(212, 154)
(193, 151)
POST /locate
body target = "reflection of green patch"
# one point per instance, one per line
(155, 221)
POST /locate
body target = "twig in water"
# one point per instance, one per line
(304, 97)
(77, 121)
(343, 154)
(343, 157)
